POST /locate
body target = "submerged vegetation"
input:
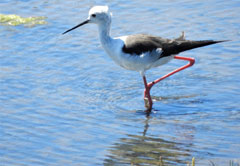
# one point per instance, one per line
(14, 20)
(192, 163)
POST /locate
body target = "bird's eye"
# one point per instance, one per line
(93, 15)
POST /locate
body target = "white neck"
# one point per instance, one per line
(108, 43)
(104, 32)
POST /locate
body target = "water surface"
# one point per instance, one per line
(63, 101)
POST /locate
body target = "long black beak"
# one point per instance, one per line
(85, 22)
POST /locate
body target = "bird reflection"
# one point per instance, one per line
(146, 149)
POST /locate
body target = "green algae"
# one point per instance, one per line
(14, 20)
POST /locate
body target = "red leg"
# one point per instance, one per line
(147, 96)
(148, 86)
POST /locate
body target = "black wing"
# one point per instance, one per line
(140, 43)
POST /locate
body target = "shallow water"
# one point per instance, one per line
(64, 102)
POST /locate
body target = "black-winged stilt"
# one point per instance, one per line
(140, 52)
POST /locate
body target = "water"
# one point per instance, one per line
(64, 102)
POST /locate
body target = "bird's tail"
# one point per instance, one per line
(178, 46)
(188, 45)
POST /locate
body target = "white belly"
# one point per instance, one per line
(143, 62)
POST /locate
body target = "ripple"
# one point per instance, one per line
(64, 101)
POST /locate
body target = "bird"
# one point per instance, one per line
(140, 52)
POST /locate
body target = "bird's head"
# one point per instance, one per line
(98, 15)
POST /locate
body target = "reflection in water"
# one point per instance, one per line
(161, 98)
(64, 102)
(149, 150)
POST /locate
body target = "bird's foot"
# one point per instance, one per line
(148, 104)
(148, 110)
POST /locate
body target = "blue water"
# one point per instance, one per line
(63, 101)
